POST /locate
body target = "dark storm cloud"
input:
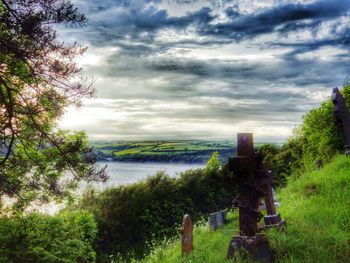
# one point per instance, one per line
(120, 18)
(283, 19)
(140, 23)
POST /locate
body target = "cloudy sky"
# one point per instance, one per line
(182, 69)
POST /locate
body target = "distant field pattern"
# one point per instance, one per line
(164, 151)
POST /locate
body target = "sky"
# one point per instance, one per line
(183, 69)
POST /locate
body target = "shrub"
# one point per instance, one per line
(214, 163)
(67, 237)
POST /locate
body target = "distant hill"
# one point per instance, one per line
(163, 151)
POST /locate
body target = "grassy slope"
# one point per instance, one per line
(317, 209)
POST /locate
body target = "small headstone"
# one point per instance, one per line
(217, 219)
(186, 235)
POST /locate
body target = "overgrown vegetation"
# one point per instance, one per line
(316, 207)
(131, 216)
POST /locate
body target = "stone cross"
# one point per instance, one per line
(255, 182)
(248, 198)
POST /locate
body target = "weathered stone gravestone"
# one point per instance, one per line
(343, 117)
(255, 182)
(186, 235)
(217, 219)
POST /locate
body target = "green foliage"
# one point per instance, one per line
(44, 169)
(67, 237)
(320, 134)
(282, 161)
(131, 216)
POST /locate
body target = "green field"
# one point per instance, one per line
(164, 151)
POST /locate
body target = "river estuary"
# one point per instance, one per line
(122, 173)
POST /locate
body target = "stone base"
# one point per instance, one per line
(274, 221)
(256, 247)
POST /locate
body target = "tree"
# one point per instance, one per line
(38, 79)
(213, 164)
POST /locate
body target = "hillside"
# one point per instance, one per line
(317, 209)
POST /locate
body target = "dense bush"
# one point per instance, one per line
(67, 237)
(131, 216)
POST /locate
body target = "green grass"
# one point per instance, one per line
(209, 246)
(317, 209)
(135, 150)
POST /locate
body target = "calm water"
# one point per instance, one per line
(125, 173)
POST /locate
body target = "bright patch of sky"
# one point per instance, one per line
(207, 69)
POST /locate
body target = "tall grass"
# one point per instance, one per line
(209, 246)
(317, 209)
